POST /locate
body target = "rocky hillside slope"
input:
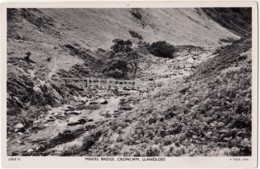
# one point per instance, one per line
(206, 114)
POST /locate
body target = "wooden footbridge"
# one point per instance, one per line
(105, 83)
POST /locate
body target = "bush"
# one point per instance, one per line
(228, 40)
(135, 35)
(136, 13)
(121, 46)
(90, 140)
(151, 152)
(117, 69)
(162, 49)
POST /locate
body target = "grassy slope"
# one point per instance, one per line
(238, 20)
(97, 28)
(209, 113)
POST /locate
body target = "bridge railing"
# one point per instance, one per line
(115, 83)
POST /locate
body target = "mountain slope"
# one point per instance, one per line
(98, 27)
(237, 20)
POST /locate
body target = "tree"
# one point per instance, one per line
(133, 61)
(122, 49)
(121, 46)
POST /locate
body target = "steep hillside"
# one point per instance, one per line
(205, 114)
(96, 28)
(238, 20)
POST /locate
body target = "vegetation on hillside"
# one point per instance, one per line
(210, 115)
(238, 20)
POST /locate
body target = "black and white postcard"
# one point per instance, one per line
(137, 84)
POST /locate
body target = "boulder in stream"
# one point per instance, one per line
(102, 101)
(19, 127)
(72, 121)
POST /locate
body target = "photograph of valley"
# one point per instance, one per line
(130, 82)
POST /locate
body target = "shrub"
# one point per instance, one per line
(90, 140)
(162, 49)
(135, 35)
(169, 115)
(151, 152)
(228, 40)
(136, 13)
(121, 45)
(117, 69)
